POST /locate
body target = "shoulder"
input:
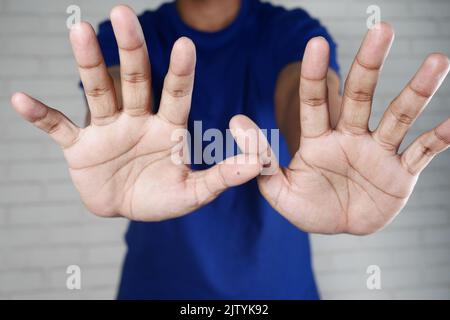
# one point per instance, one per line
(285, 33)
(280, 27)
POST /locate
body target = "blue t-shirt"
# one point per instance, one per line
(236, 247)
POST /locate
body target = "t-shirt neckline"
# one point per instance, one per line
(204, 38)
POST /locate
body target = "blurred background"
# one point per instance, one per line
(44, 227)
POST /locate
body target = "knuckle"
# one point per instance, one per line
(385, 142)
(178, 86)
(358, 94)
(440, 137)
(386, 145)
(313, 101)
(97, 92)
(426, 151)
(412, 171)
(53, 127)
(419, 92)
(402, 116)
(135, 77)
(49, 123)
(177, 92)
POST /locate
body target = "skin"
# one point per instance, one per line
(122, 163)
(342, 178)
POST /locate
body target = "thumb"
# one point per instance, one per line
(271, 180)
(256, 157)
(252, 141)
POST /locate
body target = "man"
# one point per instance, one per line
(274, 66)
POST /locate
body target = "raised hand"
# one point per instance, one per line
(123, 163)
(348, 179)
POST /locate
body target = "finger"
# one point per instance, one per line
(134, 61)
(314, 116)
(252, 141)
(61, 129)
(238, 169)
(362, 79)
(178, 85)
(417, 156)
(97, 83)
(271, 178)
(231, 172)
(405, 109)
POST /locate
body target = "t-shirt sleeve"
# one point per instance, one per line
(291, 32)
(108, 44)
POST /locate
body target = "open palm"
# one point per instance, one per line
(349, 179)
(129, 162)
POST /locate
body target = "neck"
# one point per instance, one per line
(208, 15)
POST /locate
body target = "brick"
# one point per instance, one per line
(3, 217)
(61, 191)
(400, 278)
(91, 7)
(444, 28)
(37, 45)
(105, 255)
(19, 24)
(415, 28)
(43, 7)
(20, 131)
(104, 293)
(435, 275)
(42, 258)
(107, 233)
(430, 293)
(389, 10)
(17, 193)
(357, 295)
(359, 261)
(28, 67)
(47, 214)
(22, 151)
(60, 66)
(342, 281)
(431, 9)
(46, 88)
(91, 277)
(437, 235)
(48, 294)
(420, 257)
(317, 8)
(434, 198)
(422, 217)
(355, 28)
(427, 45)
(387, 237)
(43, 171)
(16, 281)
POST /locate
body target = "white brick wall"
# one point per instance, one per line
(44, 228)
